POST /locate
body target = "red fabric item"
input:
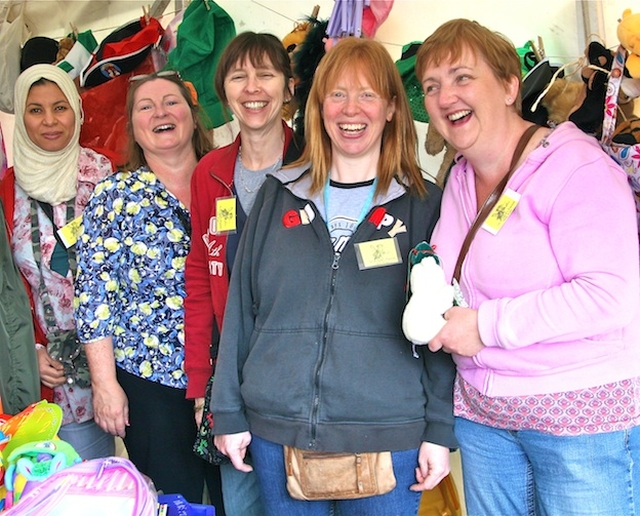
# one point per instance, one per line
(374, 14)
(149, 35)
(105, 119)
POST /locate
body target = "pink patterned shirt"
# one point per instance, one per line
(606, 408)
(92, 167)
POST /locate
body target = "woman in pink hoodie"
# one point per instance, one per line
(548, 349)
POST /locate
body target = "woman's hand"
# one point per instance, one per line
(198, 409)
(111, 408)
(433, 466)
(460, 334)
(235, 447)
(110, 403)
(51, 370)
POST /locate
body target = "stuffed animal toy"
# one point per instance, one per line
(292, 43)
(305, 61)
(561, 99)
(590, 107)
(431, 296)
(627, 132)
(628, 32)
(583, 102)
(64, 46)
(434, 144)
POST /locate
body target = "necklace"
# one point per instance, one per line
(242, 170)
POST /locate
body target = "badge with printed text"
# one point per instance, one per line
(69, 233)
(378, 253)
(501, 211)
(226, 215)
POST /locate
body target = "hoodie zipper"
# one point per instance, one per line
(335, 264)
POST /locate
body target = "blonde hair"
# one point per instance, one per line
(398, 155)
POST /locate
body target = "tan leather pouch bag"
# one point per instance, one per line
(337, 476)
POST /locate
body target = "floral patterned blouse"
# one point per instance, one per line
(92, 167)
(130, 283)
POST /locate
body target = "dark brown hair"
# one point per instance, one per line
(256, 47)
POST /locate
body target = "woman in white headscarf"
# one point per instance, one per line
(44, 195)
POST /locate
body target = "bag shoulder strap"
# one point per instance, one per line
(611, 99)
(491, 201)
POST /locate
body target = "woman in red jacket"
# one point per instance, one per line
(254, 80)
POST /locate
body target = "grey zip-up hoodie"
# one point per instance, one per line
(312, 352)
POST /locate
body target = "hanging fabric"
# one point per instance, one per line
(12, 35)
(356, 18)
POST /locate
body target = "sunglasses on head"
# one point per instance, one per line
(164, 73)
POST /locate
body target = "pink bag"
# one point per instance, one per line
(627, 156)
(100, 487)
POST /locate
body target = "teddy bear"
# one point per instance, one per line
(628, 32)
(431, 296)
(434, 144)
(561, 99)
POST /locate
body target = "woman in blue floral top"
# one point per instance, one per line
(130, 286)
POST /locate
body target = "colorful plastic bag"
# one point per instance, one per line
(100, 487)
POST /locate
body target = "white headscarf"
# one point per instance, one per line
(46, 176)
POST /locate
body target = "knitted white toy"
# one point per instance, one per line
(431, 296)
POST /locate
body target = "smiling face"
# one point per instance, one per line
(161, 117)
(465, 100)
(48, 117)
(256, 94)
(354, 116)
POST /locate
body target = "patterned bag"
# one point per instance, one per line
(627, 156)
(65, 347)
(204, 447)
(100, 487)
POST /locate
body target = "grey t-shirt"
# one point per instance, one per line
(346, 205)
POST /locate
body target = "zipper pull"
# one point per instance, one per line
(336, 259)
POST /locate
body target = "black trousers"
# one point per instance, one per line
(160, 440)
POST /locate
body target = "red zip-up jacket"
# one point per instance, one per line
(206, 272)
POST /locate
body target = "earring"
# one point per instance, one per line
(509, 100)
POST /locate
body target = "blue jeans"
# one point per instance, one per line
(529, 473)
(268, 458)
(88, 440)
(240, 491)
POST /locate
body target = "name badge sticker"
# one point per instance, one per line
(501, 211)
(378, 253)
(70, 232)
(226, 215)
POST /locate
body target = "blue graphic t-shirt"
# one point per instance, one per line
(346, 205)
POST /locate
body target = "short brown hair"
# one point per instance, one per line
(201, 141)
(256, 47)
(452, 38)
(398, 156)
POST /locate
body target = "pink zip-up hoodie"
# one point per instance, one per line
(557, 289)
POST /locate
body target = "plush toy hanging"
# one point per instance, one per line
(293, 42)
(305, 61)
